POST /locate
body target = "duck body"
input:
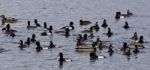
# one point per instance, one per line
(84, 22)
(85, 48)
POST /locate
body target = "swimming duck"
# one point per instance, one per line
(12, 35)
(104, 24)
(109, 33)
(45, 25)
(28, 42)
(22, 45)
(8, 20)
(119, 15)
(33, 38)
(62, 59)
(95, 28)
(38, 48)
(110, 50)
(84, 22)
(93, 55)
(141, 39)
(71, 27)
(51, 45)
(36, 23)
(136, 50)
(101, 45)
(126, 26)
(8, 30)
(135, 37)
(133, 45)
(125, 46)
(46, 33)
(29, 26)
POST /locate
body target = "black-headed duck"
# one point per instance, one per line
(45, 25)
(136, 50)
(125, 46)
(38, 48)
(52, 45)
(104, 23)
(62, 59)
(36, 23)
(8, 30)
(28, 42)
(29, 25)
(126, 26)
(109, 33)
(119, 15)
(141, 39)
(33, 38)
(93, 55)
(12, 35)
(45, 33)
(84, 22)
(71, 26)
(95, 28)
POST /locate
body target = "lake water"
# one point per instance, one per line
(59, 13)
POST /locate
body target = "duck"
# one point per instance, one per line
(38, 48)
(8, 30)
(133, 45)
(127, 52)
(126, 26)
(8, 20)
(36, 23)
(101, 45)
(93, 55)
(141, 39)
(104, 23)
(135, 37)
(22, 45)
(84, 22)
(119, 15)
(45, 25)
(95, 28)
(136, 50)
(33, 38)
(109, 33)
(29, 26)
(12, 35)
(28, 42)
(51, 45)
(45, 33)
(62, 59)
(125, 46)
(71, 27)
(110, 50)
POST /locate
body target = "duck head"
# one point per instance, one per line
(71, 25)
